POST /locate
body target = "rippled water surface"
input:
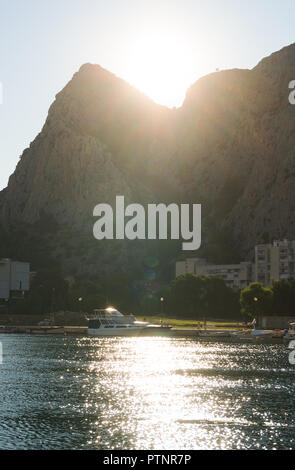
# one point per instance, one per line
(144, 393)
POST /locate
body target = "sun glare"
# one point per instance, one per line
(162, 66)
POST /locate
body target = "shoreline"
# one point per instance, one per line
(193, 333)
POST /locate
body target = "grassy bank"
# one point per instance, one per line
(78, 319)
(186, 323)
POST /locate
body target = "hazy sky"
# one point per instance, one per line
(160, 46)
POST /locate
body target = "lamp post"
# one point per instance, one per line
(162, 300)
(255, 300)
(80, 300)
(53, 300)
(7, 303)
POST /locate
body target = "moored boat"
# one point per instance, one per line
(261, 333)
(289, 334)
(252, 334)
(110, 322)
(244, 334)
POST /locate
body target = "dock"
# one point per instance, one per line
(45, 330)
(82, 331)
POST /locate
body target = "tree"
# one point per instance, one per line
(188, 295)
(48, 293)
(203, 297)
(221, 300)
(85, 296)
(284, 296)
(256, 300)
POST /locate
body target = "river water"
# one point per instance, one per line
(144, 393)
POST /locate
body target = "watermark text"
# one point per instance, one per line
(292, 94)
(292, 353)
(134, 223)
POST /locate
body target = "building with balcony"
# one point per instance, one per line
(274, 261)
(236, 276)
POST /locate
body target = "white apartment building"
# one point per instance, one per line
(275, 261)
(236, 276)
(187, 266)
(14, 278)
(272, 262)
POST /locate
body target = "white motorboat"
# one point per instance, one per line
(111, 322)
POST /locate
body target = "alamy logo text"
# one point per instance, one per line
(134, 223)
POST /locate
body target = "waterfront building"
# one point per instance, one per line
(274, 261)
(187, 266)
(14, 279)
(236, 276)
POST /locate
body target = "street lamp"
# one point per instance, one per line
(80, 300)
(162, 300)
(53, 300)
(254, 321)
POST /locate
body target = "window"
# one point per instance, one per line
(94, 324)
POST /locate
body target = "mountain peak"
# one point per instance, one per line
(230, 147)
(87, 67)
(283, 58)
(93, 69)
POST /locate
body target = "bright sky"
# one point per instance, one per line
(160, 46)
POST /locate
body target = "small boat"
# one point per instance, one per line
(290, 333)
(110, 322)
(244, 334)
(253, 335)
(261, 333)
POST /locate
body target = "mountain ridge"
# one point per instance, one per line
(229, 147)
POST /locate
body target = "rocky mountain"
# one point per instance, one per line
(231, 147)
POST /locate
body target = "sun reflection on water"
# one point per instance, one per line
(145, 393)
(179, 394)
